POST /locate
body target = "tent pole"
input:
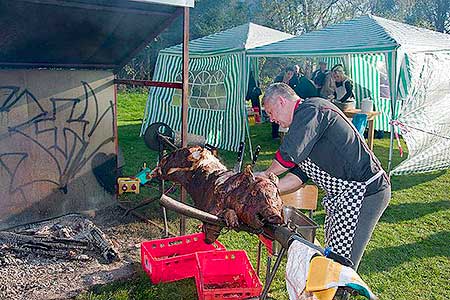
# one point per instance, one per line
(250, 149)
(392, 66)
(184, 107)
(246, 65)
(391, 147)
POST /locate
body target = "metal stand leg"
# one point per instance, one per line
(258, 258)
(272, 274)
(269, 265)
(161, 190)
(166, 225)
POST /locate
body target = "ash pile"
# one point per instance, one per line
(46, 259)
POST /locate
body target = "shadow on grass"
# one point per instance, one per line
(384, 259)
(141, 288)
(406, 181)
(415, 210)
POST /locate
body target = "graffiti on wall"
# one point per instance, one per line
(59, 132)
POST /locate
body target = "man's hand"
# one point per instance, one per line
(289, 184)
(276, 168)
(261, 174)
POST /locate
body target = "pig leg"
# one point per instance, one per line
(211, 231)
(231, 218)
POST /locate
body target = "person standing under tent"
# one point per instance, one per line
(319, 75)
(304, 87)
(323, 146)
(328, 88)
(343, 95)
(287, 76)
(253, 93)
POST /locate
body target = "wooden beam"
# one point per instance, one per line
(56, 65)
(101, 7)
(184, 106)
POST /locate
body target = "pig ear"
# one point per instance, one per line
(273, 178)
(249, 172)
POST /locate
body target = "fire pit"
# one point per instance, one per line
(32, 272)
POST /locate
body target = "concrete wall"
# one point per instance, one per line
(52, 124)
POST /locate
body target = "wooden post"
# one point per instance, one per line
(184, 106)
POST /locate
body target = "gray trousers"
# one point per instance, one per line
(371, 210)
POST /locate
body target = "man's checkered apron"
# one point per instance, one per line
(342, 204)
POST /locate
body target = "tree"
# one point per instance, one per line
(301, 16)
(208, 16)
(434, 14)
(292, 16)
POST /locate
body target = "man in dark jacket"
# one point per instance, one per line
(253, 92)
(305, 88)
(323, 146)
(319, 75)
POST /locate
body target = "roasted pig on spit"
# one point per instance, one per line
(239, 198)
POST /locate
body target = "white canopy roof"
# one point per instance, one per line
(366, 34)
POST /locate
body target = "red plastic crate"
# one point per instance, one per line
(173, 259)
(226, 275)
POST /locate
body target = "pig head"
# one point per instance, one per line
(236, 197)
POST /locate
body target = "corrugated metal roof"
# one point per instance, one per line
(188, 3)
(366, 34)
(80, 33)
(239, 38)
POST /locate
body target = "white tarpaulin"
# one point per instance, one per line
(424, 118)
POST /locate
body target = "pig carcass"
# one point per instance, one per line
(237, 197)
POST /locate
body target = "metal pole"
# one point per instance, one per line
(392, 68)
(172, 85)
(391, 147)
(161, 190)
(272, 274)
(258, 258)
(184, 106)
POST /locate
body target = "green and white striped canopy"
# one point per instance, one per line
(218, 79)
(236, 39)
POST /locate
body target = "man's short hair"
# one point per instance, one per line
(322, 62)
(279, 89)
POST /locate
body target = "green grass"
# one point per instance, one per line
(408, 256)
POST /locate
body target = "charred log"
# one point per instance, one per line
(68, 237)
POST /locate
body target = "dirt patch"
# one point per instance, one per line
(33, 276)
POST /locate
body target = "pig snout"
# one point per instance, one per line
(275, 219)
(272, 216)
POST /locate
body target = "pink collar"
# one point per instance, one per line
(298, 103)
